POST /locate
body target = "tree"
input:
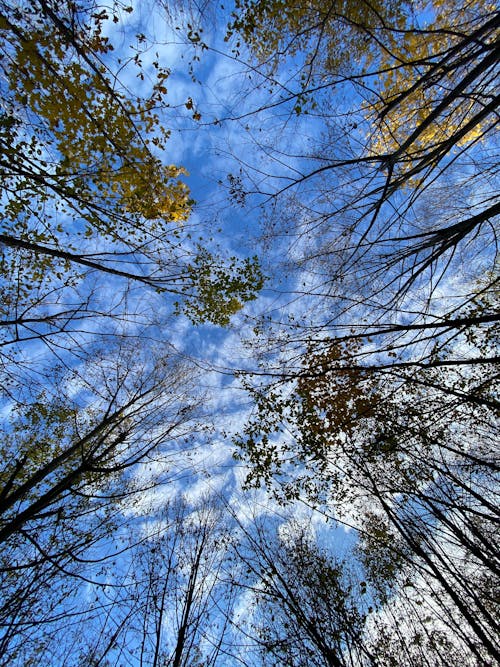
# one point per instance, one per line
(86, 191)
(185, 604)
(95, 247)
(382, 391)
(376, 393)
(362, 206)
(165, 601)
(410, 464)
(66, 482)
(306, 608)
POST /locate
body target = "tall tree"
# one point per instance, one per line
(306, 608)
(383, 388)
(168, 601)
(86, 189)
(95, 248)
(66, 482)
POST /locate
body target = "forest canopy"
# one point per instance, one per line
(249, 333)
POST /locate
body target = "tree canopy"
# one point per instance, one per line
(249, 333)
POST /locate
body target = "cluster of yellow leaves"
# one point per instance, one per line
(406, 98)
(91, 135)
(389, 47)
(154, 191)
